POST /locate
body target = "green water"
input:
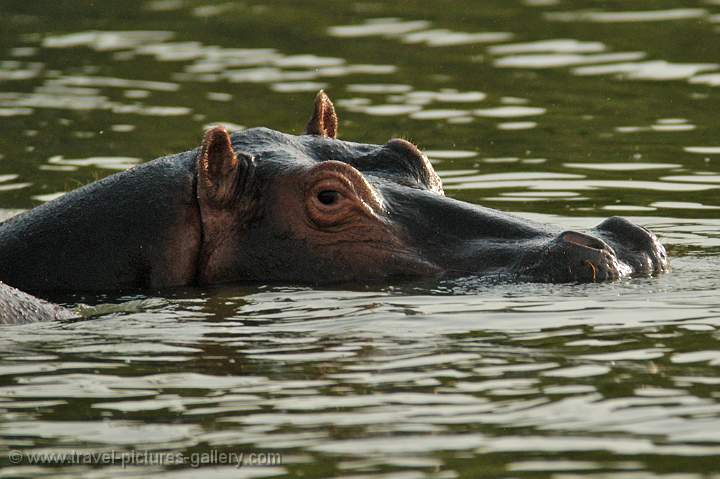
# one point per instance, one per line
(557, 110)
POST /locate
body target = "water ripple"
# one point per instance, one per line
(628, 16)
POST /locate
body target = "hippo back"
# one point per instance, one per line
(137, 228)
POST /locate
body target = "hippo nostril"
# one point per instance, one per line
(580, 239)
(626, 231)
(637, 246)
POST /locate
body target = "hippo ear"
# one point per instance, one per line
(223, 176)
(324, 121)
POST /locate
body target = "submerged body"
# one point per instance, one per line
(17, 307)
(133, 229)
(260, 205)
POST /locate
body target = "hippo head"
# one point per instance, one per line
(315, 209)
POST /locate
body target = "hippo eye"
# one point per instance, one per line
(328, 197)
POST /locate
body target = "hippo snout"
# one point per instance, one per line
(635, 245)
(616, 248)
(575, 257)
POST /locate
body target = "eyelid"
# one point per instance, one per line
(348, 181)
(331, 184)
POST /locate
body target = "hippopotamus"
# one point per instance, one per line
(17, 307)
(259, 205)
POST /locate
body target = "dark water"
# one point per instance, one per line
(563, 111)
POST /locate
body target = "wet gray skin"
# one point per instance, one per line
(448, 237)
(260, 205)
(17, 307)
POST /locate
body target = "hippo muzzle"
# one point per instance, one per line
(616, 248)
(462, 239)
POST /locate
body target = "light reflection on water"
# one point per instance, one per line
(561, 114)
